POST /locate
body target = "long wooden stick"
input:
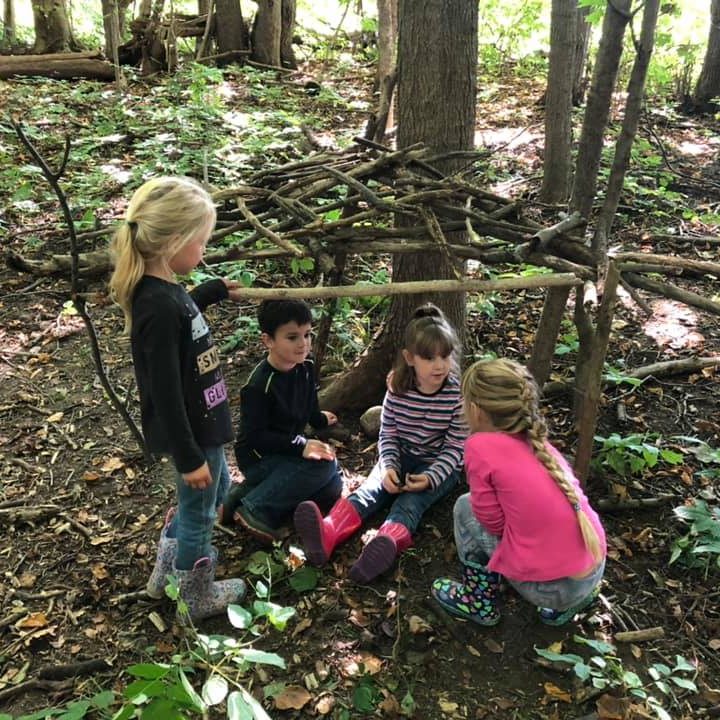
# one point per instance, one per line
(412, 288)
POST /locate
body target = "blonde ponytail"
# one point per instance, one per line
(507, 392)
(129, 268)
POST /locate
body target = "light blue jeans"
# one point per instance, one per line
(406, 508)
(193, 522)
(475, 546)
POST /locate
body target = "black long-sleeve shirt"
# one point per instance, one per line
(183, 398)
(275, 407)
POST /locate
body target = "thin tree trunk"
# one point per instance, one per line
(586, 417)
(587, 164)
(9, 24)
(287, 30)
(617, 16)
(633, 108)
(582, 47)
(386, 66)
(708, 84)
(558, 106)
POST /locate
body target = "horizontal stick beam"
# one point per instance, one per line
(412, 288)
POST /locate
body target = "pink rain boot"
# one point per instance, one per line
(321, 535)
(379, 555)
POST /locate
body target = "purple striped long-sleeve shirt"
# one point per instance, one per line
(429, 427)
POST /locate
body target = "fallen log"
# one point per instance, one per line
(62, 66)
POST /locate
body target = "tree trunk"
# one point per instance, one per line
(386, 66)
(587, 164)
(266, 33)
(582, 47)
(597, 111)
(437, 68)
(231, 31)
(8, 38)
(708, 84)
(287, 30)
(633, 108)
(52, 29)
(111, 25)
(558, 106)
(154, 56)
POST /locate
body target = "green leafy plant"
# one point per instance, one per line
(700, 546)
(567, 343)
(605, 670)
(633, 454)
(618, 377)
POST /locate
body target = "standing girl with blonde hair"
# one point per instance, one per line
(420, 452)
(183, 399)
(526, 517)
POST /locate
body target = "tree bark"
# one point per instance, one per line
(583, 35)
(589, 386)
(287, 30)
(231, 31)
(633, 108)
(386, 66)
(9, 29)
(52, 29)
(708, 84)
(266, 33)
(437, 69)
(617, 16)
(558, 106)
(587, 164)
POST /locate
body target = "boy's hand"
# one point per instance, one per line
(233, 287)
(391, 483)
(331, 417)
(317, 450)
(198, 479)
(416, 483)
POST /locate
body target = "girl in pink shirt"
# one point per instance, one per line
(526, 516)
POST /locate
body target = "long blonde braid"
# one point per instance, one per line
(507, 392)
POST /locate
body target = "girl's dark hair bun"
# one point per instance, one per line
(427, 310)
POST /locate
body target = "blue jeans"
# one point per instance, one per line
(195, 517)
(406, 508)
(475, 546)
(281, 482)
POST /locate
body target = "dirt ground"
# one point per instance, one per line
(81, 513)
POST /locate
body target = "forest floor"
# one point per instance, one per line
(80, 512)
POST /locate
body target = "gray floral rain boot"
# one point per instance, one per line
(166, 552)
(205, 597)
(474, 598)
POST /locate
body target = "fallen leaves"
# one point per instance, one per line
(293, 697)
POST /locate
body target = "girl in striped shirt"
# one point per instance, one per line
(420, 448)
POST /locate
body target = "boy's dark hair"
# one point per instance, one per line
(273, 313)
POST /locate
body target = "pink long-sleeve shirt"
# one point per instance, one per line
(514, 496)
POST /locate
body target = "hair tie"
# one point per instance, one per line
(576, 507)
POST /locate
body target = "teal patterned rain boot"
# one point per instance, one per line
(203, 595)
(166, 552)
(473, 599)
